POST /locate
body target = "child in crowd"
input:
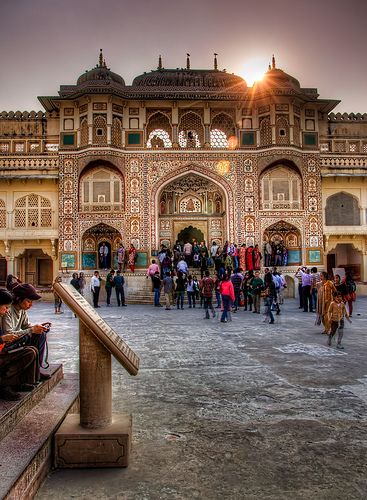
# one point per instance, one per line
(58, 303)
(336, 314)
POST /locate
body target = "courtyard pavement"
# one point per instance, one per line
(241, 410)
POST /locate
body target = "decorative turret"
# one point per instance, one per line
(160, 63)
(277, 78)
(273, 62)
(100, 58)
(100, 74)
(188, 61)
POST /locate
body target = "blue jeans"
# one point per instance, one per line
(226, 303)
(217, 296)
(180, 299)
(39, 341)
(268, 312)
(237, 296)
(208, 304)
(120, 295)
(191, 298)
(314, 298)
(108, 294)
(157, 296)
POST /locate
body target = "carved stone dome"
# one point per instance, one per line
(100, 75)
(278, 78)
(190, 78)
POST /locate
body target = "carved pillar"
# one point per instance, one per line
(174, 136)
(109, 123)
(207, 136)
(273, 124)
(364, 267)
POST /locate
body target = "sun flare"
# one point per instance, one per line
(253, 70)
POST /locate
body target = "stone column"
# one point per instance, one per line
(174, 136)
(95, 381)
(207, 136)
(364, 267)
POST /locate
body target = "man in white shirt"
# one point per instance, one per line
(95, 286)
(187, 250)
(103, 252)
(214, 249)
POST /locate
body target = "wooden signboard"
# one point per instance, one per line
(104, 333)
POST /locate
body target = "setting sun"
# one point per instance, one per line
(254, 70)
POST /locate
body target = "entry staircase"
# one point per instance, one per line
(138, 289)
(27, 428)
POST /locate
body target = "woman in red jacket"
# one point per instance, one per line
(227, 292)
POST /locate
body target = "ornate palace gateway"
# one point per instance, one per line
(180, 153)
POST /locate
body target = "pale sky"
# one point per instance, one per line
(48, 43)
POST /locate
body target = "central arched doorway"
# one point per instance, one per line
(286, 245)
(191, 207)
(92, 241)
(190, 234)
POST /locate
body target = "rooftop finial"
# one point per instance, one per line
(188, 61)
(100, 58)
(269, 67)
(160, 62)
(273, 62)
(215, 61)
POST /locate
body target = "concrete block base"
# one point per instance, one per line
(77, 447)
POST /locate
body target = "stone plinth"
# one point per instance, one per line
(78, 447)
(95, 437)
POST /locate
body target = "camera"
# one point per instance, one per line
(47, 326)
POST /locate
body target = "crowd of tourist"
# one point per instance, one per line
(235, 280)
(176, 273)
(191, 271)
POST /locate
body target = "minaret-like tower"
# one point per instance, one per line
(188, 61)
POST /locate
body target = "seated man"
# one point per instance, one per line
(18, 369)
(16, 321)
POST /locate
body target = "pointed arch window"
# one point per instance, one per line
(191, 131)
(99, 130)
(116, 132)
(222, 128)
(159, 131)
(101, 190)
(265, 132)
(342, 210)
(282, 130)
(84, 131)
(2, 214)
(281, 189)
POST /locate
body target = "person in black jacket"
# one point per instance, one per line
(269, 296)
(119, 282)
(19, 370)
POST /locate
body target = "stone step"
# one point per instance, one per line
(11, 412)
(26, 453)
